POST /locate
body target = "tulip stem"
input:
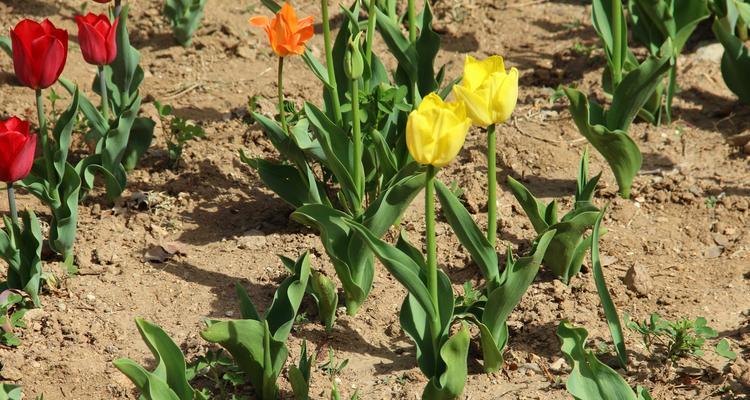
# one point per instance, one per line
(282, 112)
(372, 18)
(51, 178)
(12, 203)
(357, 139)
(492, 185)
(334, 91)
(617, 41)
(430, 240)
(104, 94)
(412, 22)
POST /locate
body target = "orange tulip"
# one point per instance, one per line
(286, 33)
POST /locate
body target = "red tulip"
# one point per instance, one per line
(102, 1)
(17, 148)
(97, 37)
(39, 53)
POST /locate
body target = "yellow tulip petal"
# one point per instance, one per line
(436, 131)
(477, 107)
(504, 95)
(476, 72)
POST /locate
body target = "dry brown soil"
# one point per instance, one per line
(687, 227)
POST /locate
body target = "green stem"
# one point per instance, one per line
(44, 140)
(104, 94)
(617, 32)
(282, 112)
(412, 12)
(12, 203)
(329, 62)
(357, 138)
(491, 185)
(372, 18)
(430, 240)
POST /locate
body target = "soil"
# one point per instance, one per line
(686, 231)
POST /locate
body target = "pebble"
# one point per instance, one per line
(638, 280)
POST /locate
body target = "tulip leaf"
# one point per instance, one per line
(6, 45)
(540, 215)
(416, 322)
(469, 234)
(150, 385)
(141, 136)
(735, 62)
(620, 151)
(353, 263)
(635, 89)
(65, 217)
(28, 273)
(185, 17)
(286, 301)
(404, 52)
(427, 46)
(450, 384)
(604, 23)
(393, 202)
(10, 392)
(400, 265)
(284, 180)
(63, 133)
(326, 298)
(591, 379)
(94, 118)
(610, 310)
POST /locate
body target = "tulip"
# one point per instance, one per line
(17, 147)
(489, 93)
(102, 1)
(39, 53)
(97, 37)
(286, 33)
(436, 130)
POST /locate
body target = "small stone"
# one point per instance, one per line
(711, 53)
(251, 240)
(90, 298)
(713, 252)
(229, 314)
(638, 280)
(560, 365)
(245, 52)
(721, 240)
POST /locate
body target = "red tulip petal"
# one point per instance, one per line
(92, 45)
(51, 56)
(23, 62)
(11, 144)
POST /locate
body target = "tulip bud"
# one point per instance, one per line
(354, 63)
(39, 53)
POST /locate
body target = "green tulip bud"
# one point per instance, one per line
(354, 63)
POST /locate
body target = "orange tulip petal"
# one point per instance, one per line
(260, 20)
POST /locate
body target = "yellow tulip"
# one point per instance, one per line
(436, 130)
(489, 93)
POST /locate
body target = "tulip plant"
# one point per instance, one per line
(731, 16)
(356, 140)
(117, 134)
(591, 379)
(185, 17)
(655, 22)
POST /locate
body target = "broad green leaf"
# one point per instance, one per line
(605, 24)
(6, 45)
(170, 362)
(141, 136)
(427, 47)
(450, 384)
(247, 308)
(620, 151)
(537, 212)
(469, 234)
(400, 265)
(151, 386)
(634, 90)
(62, 133)
(7, 390)
(286, 301)
(568, 248)
(94, 117)
(285, 181)
(590, 379)
(736, 61)
(353, 263)
(393, 202)
(610, 311)
(65, 217)
(29, 244)
(399, 46)
(722, 349)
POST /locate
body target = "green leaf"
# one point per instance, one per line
(427, 47)
(353, 263)
(634, 91)
(247, 308)
(610, 311)
(141, 136)
(722, 349)
(65, 217)
(393, 202)
(540, 215)
(185, 18)
(151, 386)
(404, 52)
(736, 61)
(62, 133)
(7, 390)
(469, 234)
(516, 279)
(254, 351)
(94, 117)
(29, 274)
(450, 384)
(400, 265)
(620, 151)
(286, 301)
(590, 379)
(6, 45)
(603, 21)
(170, 361)
(285, 181)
